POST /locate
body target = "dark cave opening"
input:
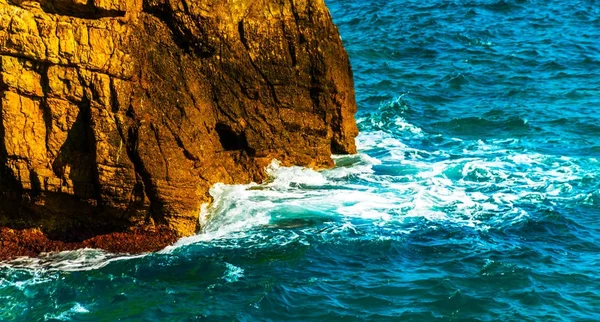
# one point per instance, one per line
(230, 140)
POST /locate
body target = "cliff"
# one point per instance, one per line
(118, 115)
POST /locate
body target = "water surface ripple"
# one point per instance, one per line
(475, 194)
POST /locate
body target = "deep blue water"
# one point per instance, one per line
(475, 195)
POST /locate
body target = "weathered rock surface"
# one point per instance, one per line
(122, 113)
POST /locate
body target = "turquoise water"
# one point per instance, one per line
(475, 194)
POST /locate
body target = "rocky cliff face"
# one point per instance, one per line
(122, 113)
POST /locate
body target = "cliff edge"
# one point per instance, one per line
(117, 116)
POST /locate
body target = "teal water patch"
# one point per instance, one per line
(474, 196)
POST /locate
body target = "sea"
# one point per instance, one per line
(475, 194)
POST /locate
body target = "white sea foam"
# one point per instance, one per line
(233, 273)
(403, 125)
(68, 314)
(379, 139)
(69, 261)
(489, 186)
(481, 192)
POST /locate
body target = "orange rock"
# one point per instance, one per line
(121, 114)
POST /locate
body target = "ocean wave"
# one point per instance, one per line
(481, 128)
(485, 185)
(488, 188)
(475, 193)
(503, 6)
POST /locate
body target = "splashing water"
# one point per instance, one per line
(475, 193)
